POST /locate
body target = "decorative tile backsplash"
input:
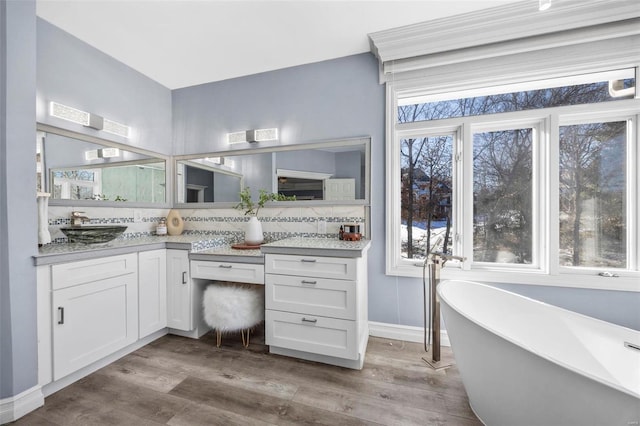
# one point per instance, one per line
(277, 223)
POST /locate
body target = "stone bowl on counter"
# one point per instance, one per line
(92, 234)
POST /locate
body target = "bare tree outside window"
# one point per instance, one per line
(592, 195)
(426, 168)
(502, 190)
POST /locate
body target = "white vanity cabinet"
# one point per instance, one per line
(316, 308)
(94, 310)
(179, 291)
(152, 291)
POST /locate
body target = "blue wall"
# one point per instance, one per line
(325, 100)
(18, 217)
(73, 73)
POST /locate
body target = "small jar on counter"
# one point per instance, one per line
(161, 227)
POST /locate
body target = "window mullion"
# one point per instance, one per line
(552, 247)
(633, 193)
(465, 210)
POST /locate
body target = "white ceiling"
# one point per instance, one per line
(181, 43)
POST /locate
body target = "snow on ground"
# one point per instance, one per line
(438, 230)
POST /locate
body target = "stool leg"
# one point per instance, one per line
(218, 338)
(245, 342)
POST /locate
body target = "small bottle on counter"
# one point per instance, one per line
(161, 227)
(341, 233)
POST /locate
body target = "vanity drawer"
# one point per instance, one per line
(86, 271)
(228, 271)
(317, 296)
(309, 333)
(311, 266)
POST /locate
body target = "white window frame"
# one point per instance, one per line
(538, 204)
(546, 122)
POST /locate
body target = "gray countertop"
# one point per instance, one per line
(317, 247)
(201, 247)
(61, 253)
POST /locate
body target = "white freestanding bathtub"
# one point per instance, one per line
(525, 362)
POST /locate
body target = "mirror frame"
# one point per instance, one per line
(40, 127)
(366, 141)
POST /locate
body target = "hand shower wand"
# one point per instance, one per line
(437, 261)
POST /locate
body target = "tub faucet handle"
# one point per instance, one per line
(445, 257)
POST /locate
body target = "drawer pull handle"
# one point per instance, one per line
(309, 282)
(184, 277)
(60, 315)
(309, 320)
(308, 260)
(225, 266)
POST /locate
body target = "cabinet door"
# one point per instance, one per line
(179, 313)
(152, 291)
(91, 321)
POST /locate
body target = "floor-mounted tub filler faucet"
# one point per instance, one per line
(77, 218)
(434, 262)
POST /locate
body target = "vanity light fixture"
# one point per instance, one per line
(544, 5)
(93, 121)
(67, 113)
(220, 161)
(236, 137)
(91, 155)
(94, 154)
(264, 135)
(109, 152)
(251, 136)
(116, 128)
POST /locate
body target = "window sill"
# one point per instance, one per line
(627, 281)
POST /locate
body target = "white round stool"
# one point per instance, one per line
(231, 307)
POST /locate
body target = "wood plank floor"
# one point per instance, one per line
(181, 381)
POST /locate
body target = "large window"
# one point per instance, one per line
(528, 181)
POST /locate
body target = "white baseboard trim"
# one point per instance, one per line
(16, 406)
(403, 332)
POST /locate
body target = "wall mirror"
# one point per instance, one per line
(78, 169)
(331, 172)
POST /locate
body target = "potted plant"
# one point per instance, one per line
(253, 233)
